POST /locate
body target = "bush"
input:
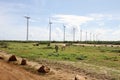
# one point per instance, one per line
(3, 45)
(114, 58)
(48, 47)
(81, 57)
(53, 54)
(66, 58)
(116, 51)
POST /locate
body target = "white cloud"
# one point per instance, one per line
(116, 31)
(37, 33)
(107, 34)
(71, 20)
(97, 16)
(100, 16)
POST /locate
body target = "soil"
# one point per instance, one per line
(12, 72)
(58, 71)
(15, 71)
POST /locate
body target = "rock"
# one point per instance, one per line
(23, 62)
(1, 57)
(44, 69)
(77, 77)
(12, 58)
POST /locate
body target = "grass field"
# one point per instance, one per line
(100, 56)
(97, 60)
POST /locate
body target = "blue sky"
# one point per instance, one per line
(99, 17)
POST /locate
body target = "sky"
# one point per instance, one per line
(98, 19)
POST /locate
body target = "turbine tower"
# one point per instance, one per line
(90, 36)
(64, 33)
(50, 31)
(27, 35)
(81, 35)
(73, 34)
(93, 37)
(86, 35)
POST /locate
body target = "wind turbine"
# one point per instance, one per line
(90, 36)
(86, 35)
(50, 31)
(80, 34)
(64, 33)
(73, 34)
(27, 35)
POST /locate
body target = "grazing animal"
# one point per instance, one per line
(56, 48)
(63, 47)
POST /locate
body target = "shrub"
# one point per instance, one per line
(81, 57)
(53, 54)
(48, 47)
(66, 58)
(3, 45)
(111, 58)
(116, 51)
(115, 58)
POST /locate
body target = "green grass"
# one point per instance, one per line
(100, 56)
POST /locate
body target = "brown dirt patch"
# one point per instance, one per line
(58, 71)
(9, 71)
(15, 71)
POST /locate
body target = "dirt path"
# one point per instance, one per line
(97, 45)
(14, 71)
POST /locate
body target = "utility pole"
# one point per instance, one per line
(64, 33)
(27, 36)
(50, 31)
